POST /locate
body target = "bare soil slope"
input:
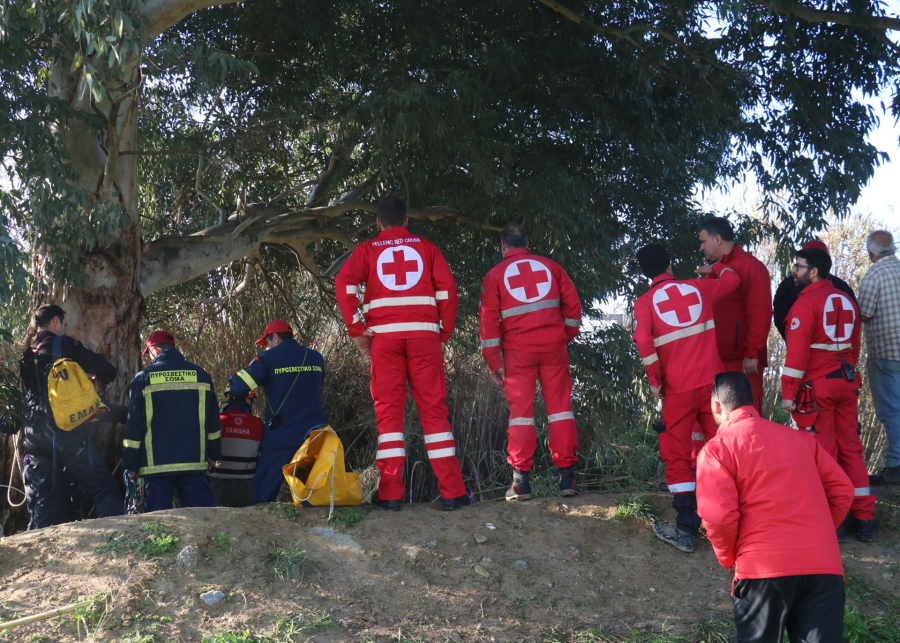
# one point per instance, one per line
(544, 570)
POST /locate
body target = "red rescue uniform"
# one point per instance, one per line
(530, 310)
(744, 316)
(410, 305)
(675, 335)
(822, 331)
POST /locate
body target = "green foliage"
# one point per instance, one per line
(289, 562)
(348, 517)
(721, 631)
(634, 508)
(89, 617)
(855, 628)
(158, 541)
(286, 510)
(234, 637)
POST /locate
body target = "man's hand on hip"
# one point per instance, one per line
(789, 405)
(498, 376)
(364, 342)
(751, 366)
(658, 393)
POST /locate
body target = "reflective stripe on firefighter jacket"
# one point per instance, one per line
(675, 332)
(173, 418)
(409, 290)
(528, 303)
(822, 328)
(292, 377)
(743, 317)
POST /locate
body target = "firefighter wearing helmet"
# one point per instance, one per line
(291, 376)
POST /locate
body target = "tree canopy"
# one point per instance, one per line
(216, 131)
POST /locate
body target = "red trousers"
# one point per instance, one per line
(522, 371)
(756, 380)
(420, 362)
(837, 429)
(684, 414)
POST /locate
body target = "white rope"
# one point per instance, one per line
(12, 474)
(333, 465)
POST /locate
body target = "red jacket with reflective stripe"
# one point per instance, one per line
(675, 332)
(822, 327)
(744, 316)
(528, 303)
(770, 499)
(410, 291)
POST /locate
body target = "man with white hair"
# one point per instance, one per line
(879, 309)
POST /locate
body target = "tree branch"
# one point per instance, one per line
(159, 15)
(809, 14)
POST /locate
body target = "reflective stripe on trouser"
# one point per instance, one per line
(698, 441)
(419, 361)
(837, 430)
(682, 412)
(522, 371)
(756, 379)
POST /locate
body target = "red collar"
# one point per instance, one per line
(738, 415)
(516, 252)
(822, 283)
(736, 252)
(658, 279)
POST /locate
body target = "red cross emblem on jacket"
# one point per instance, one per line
(399, 268)
(527, 280)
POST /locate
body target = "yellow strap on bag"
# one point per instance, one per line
(71, 393)
(317, 475)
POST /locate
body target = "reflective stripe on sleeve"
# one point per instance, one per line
(214, 436)
(390, 437)
(521, 422)
(434, 454)
(249, 381)
(862, 491)
(438, 437)
(681, 487)
(490, 343)
(529, 308)
(557, 417)
(684, 332)
(725, 270)
(832, 347)
(131, 444)
(390, 453)
(406, 326)
(352, 290)
(792, 372)
(399, 301)
(698, 437)
(575, 323)
(650, 360)
(441, 295)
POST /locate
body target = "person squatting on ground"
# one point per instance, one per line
(744, 316)
(55, 456)
(819, 384)
(879, 309)
(231, 479)
(173, 432)
(770, 498)
(409, 310)
(787, 292)
(675, 335)
(529, 309)
(292, 377)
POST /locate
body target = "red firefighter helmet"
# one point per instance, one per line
(807, 410)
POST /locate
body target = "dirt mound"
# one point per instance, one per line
(546, 570)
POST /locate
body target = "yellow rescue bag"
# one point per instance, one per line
(71, 392)
(317, 476)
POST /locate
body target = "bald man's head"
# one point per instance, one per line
(880, 243)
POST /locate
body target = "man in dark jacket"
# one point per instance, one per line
(173, 432)
(292, 376)
(788, 291)
(50, 452)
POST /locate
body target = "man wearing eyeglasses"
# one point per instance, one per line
(676, 339)
(822, 353)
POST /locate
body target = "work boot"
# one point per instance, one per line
(891, 475)
(521, 486)
(452, 504)
(567, 486)
(681, 540)
(390, 505)
(662, 486)
(865, 530)
(842, 532)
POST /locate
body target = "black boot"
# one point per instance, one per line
(390, 505)
(567, 486)
(452, 504)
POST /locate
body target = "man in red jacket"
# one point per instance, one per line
(530, 310)
(770, 498)
(822, 353)
(409, 310)
(675, 335)
(743, 318)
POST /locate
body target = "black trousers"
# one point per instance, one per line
(810, 608)
(193, 491)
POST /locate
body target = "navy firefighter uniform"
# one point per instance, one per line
(173, 429)
(292, 376)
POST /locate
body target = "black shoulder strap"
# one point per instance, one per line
(57, 347)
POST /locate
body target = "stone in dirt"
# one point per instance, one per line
(212, 597)
(188, 557)
(480, 539)
(335, 539)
